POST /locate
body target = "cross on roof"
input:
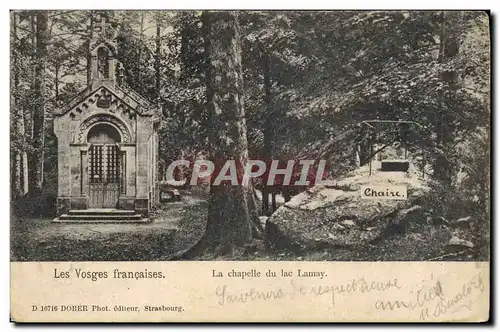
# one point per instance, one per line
(104, 24)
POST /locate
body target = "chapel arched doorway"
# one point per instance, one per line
(105, 169)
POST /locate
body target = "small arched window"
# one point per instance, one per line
(103, 62)
(103, 133)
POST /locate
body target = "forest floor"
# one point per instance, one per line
(176, 225)
(179, 225)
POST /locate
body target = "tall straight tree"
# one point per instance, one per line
(157, 65)
(19, 157)
(36, 180)
(448, 48)
(232, 218)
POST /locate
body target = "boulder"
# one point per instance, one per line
(334, 213)
(456, 242)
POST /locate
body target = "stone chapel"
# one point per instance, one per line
(107, 144)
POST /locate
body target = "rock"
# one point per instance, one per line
(438, 221)
(338, 226)
(296, 201)
(263, 219)
(463, 222)
(348, 223)
(407, 216)
(333, 214)
(314, 205)
(455, 241)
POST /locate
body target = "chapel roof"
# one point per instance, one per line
(124, 92)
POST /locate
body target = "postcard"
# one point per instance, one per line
(250, 166)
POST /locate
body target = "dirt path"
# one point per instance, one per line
(40, 239)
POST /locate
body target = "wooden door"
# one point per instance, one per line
(104, 175)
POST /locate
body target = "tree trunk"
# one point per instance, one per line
(273, 200)
(448, 48)
(139, 50)
(14, 83)
(89, 56)
(232, 218)
(56, 82)
(36, 179)
(28, 111)
(184, 46)
(158, 57)
(268, 135)
(19, 167)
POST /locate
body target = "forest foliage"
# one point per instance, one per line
(309, 79)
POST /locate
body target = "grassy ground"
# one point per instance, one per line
(179, 225)
(426, 244)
